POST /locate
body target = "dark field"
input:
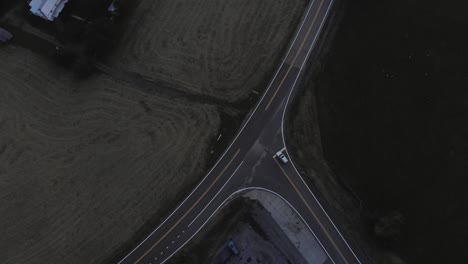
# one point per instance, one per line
(392, 106)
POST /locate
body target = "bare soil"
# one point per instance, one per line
(391, 101)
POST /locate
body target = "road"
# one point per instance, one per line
(249, 162)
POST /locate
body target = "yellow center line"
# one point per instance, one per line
(310, 210)
(296, 56)
(189, 210)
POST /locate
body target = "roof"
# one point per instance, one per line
(47, 9)
(4, 35)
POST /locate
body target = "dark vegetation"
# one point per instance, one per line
(88, 33)
(393, 111)
(85, 30)
(6, 5)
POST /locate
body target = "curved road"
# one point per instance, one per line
(249, 162)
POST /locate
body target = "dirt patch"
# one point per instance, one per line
(221, 48)
(83, 163)
(392, 106)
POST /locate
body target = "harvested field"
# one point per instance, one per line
(221, 48)
(84, 165)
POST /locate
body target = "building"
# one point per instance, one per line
(47, 9)
(4, 35)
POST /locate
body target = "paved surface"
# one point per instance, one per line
(292, 226)
(249, 162)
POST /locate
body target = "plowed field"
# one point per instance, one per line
(83, 165)
(221, 48)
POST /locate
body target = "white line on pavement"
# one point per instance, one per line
(230, 197)
(238, 134)
(216, 194)
(284, 141)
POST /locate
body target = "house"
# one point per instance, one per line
(47, 9)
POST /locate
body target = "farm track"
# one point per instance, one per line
(165, 88)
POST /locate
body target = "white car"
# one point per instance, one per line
(282, 157)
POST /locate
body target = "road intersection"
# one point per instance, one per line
(249, 162)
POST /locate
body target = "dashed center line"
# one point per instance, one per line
(216, 195)
(291, 66)
(190, 209)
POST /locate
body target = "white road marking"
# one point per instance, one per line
(230, 197)
(282, 128)
(216, 194)
(284, 141)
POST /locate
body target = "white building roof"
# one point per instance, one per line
(47, 9)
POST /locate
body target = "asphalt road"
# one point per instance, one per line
(249, 162)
